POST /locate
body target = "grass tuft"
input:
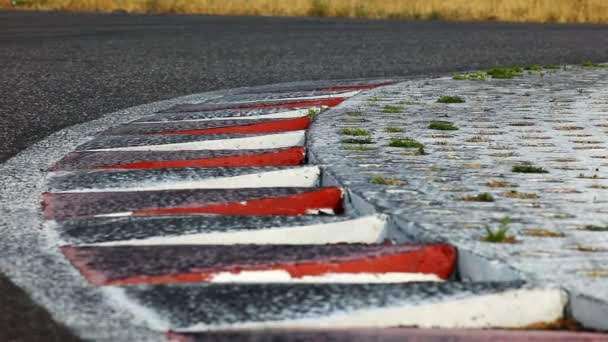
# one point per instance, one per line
(405, 143)
(442, 126)
(482, 197)
(355, 132)
(562, 11)
(505, 73)
(391, 109)
(528, 169)
(499, 236)
(392, 129)
(358, 148)
(408, 103)
(534, 67)
(594, 228)
(387, 181)
(552, 67)
(355, 114)
(450, 99)
(313, 113)
(475, 76)
(360, 141)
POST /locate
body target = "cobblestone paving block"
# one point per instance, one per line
(528, 154)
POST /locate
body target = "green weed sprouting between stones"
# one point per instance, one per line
(475, 76)
(374, 99)
(503, 73)
(387, 181)
(595, 228)
(360, 141)
(391, 109)
(313, 113)
(499, 236)
(408, 103)
(392, 129)
(590, 64)
(358, 148)
(528, 169)
(442, 126)
(405, 142)
(355, 132)
(482, 197)
(534, 67)
(552, 67)
(356, 114)
(450, 99)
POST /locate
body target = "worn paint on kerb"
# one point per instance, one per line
(128, 265)
(137, 160)
(307, 176)
(369, 229)
(271, 141)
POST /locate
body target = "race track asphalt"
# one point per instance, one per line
(59, 69)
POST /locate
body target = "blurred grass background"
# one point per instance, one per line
(542, 11)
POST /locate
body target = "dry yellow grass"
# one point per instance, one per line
(560, 11)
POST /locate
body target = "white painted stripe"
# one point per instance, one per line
(509, 309)
(368, 229)
(292, 114)
(269, 141)
(281, 276)
(306, 177)
(304, 98)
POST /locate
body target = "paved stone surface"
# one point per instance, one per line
(556, 120)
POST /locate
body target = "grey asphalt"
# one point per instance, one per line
(59, 69)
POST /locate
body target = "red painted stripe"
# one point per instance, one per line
(301, 204)
(264, 127)
(325, 102)
(432, 259)
(289, 157)
(356, 87)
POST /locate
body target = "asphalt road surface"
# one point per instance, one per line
(59, 69)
